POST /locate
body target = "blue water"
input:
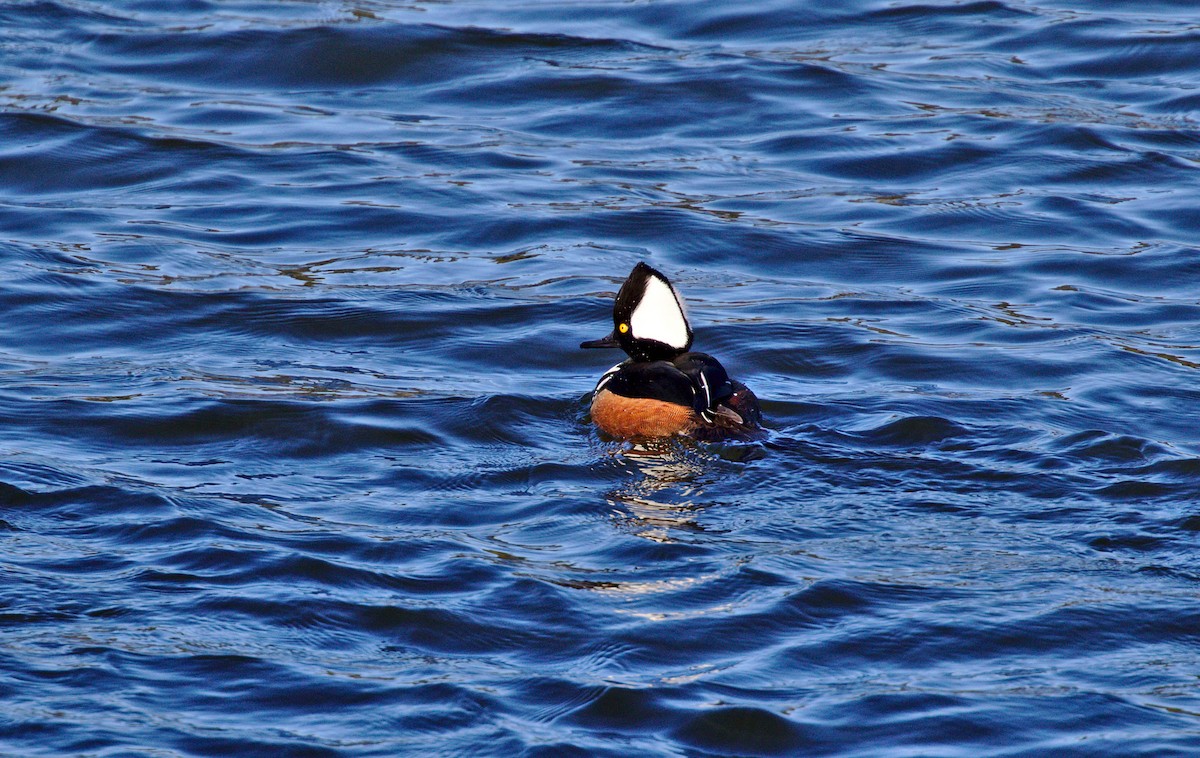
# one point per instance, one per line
(294, 447)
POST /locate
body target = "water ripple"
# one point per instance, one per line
(296, 457)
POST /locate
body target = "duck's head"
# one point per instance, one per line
(649, 323)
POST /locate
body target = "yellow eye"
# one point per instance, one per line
(623, 328)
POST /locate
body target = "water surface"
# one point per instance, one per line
(294, 454)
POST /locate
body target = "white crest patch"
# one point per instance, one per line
(659, 315)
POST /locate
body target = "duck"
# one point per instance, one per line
(664, 389)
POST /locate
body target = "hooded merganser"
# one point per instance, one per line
(664, 390)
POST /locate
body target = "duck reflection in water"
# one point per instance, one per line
(665, 492)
